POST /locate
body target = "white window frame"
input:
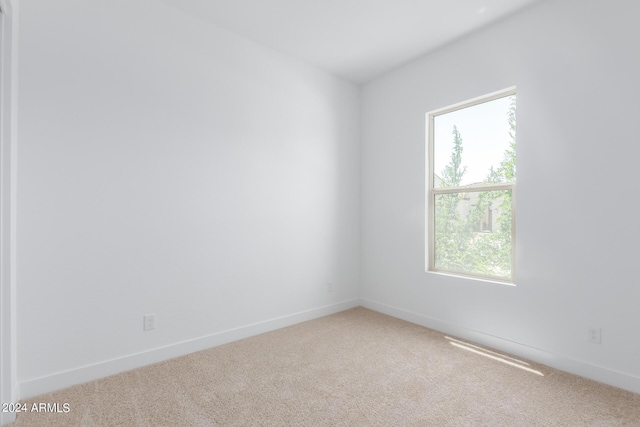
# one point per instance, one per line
(433, 191)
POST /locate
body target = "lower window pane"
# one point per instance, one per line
(473, 233)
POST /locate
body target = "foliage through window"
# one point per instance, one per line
(472, 183)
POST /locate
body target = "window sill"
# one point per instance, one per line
(473, 278)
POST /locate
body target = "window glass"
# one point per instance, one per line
(472, 186)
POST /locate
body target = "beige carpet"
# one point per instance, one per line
(356, 368)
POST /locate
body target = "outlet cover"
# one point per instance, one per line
(594, 335)
(149, 322)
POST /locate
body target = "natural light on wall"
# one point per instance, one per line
(471, 179)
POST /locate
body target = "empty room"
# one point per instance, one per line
(319, 212)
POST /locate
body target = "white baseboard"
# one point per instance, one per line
(57, 381)
(564, 363)
(60, 380)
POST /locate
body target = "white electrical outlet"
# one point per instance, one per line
(594, 335)
(330, 287)
(149, 322)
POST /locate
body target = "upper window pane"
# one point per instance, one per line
(473, 145)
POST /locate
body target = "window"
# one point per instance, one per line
(471, 179)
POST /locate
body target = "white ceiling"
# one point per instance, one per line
(356, 39)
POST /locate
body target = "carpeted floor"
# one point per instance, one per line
(355, 368)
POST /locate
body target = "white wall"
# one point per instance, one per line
(575, 64)
(170, 167)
